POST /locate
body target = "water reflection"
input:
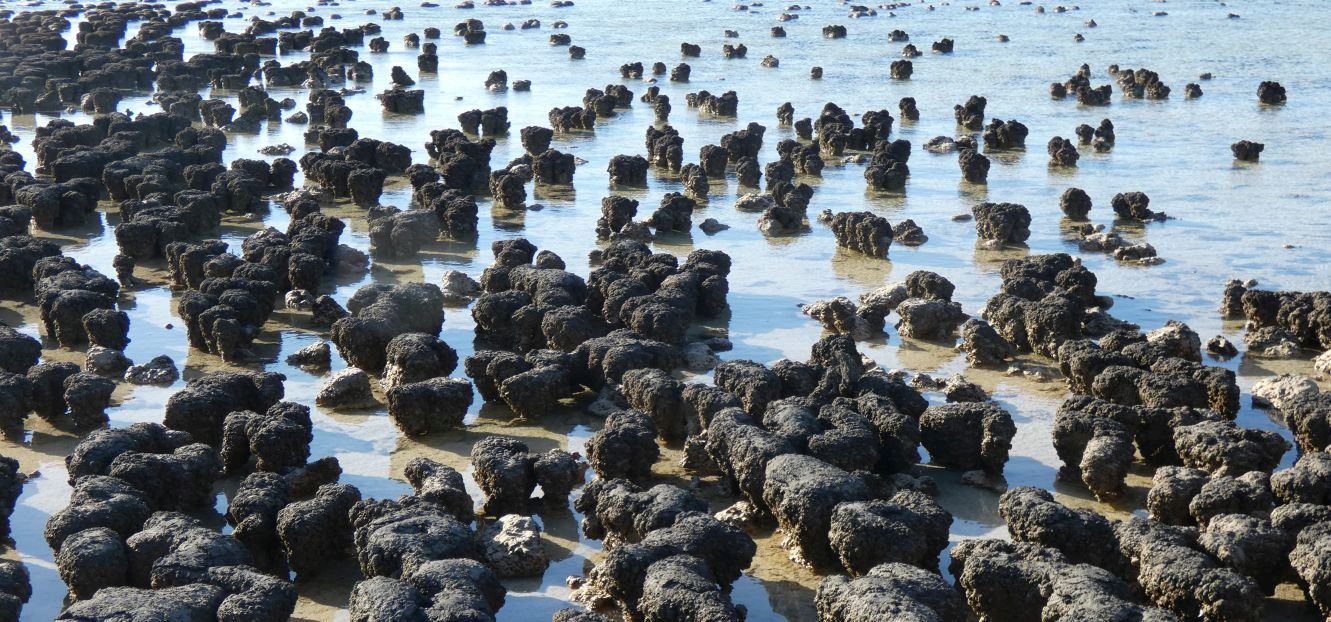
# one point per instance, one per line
(1171, 150)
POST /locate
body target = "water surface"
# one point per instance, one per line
(1230, 219)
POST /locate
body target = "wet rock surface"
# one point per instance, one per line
(637, 408)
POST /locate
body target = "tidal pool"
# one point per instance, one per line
(1229, 219)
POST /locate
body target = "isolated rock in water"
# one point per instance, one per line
(968, 436)
(974, 166)
(1002, 223)
(929, 319)
(1219, 346)
(864, 232)
(459, 288)
(1247, 151)
(1271, 93)
(430, 405)
(902, 70)
(940, 144)
(316, 356)
(908, 233)
(1075, 203)
(838, 315)
(1001, 134)
(106, 362)
(971, 114)
(512, 547)
(710, 226)
(909, 111)
(159, 370)
(349, 388)
(1133, 206)
(1062, 152)
(958, 389)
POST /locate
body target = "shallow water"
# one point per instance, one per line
(1231, 219)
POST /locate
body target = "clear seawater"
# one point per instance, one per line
(1263, 220)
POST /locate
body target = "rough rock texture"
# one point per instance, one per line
(1179, 577)
(625, 448)
(618, 510)
(347, 389)
(681, 587)
(1095, 442)
(909, 528)
(725, 551)
(202, 406)
(968, 435)
(983, 345)
(1172, 490)
(1251, 546)
(179, 480)
(279, 438)
(890, 591)
(1308, 481)
(802, 493)
(1002, 223)
(1023, 581)
(511, 547)
(1311, 559)
(864, 232)
(1083, 536)
(1222, 448)
(101, 502)
(428, 406)
(318, 530)
(413, 357)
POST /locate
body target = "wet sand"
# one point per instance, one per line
(1172, 150)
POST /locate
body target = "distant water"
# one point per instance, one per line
(1230, 219)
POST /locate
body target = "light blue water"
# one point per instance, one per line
(1262, 221)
